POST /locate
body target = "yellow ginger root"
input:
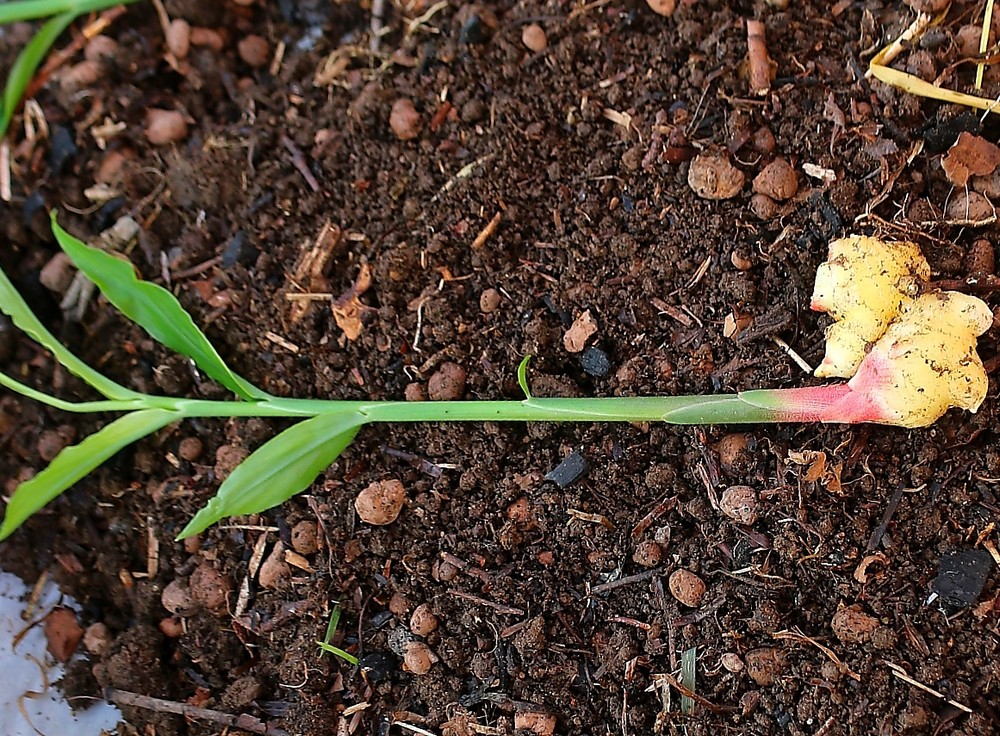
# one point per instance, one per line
(863, 285)
(927, 362)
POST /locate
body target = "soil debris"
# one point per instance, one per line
(533, 37)
(404, 120)
(569, 471)
(447, 383)
(164, 127)
(972, 155)
(961, 576)
(687, 587)
(713, 176)
(62, 633)
(583, 328)
(380, 503)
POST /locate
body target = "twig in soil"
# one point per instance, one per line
(577, 515)
(622, 582)
(986, 282)
(879, 531)
(760, 64)
(281, 341)
(661, 678)
(659, 510)
(899, 672)
(5, 189)
(916, 29)
(243, 722)
(415, 729)
(422, 464)
(376, 25)
(299, 162)
(196, 270)
(412, 26)
(162, 16)
(827, 726)
(255, 561)
(790, 352)
(803, 639)
(499, 607)
(152, 549)
(671, 311)
(699, 274)
(310, 296)
(463, 173)
(465, 566)
(630, 622)
(575, 13)
(486, 232)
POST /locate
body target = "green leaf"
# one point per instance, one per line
(26, 63)
(280, 468)
(18, 10)
(522, 376)
(73, 463)
(689, 664)
(153, 308)
(346, 656)
(57, 403)
(14, 306)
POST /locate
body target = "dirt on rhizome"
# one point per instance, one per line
(507, 175)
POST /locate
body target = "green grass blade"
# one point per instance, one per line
(18, 10)
(27, 62)
(153, 308)
(82, 407)
(522, 377)
(74, 462)
(337, 651)
(689, 663)
(14, 306)
(278, 469)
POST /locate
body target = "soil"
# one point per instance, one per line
(550, 601)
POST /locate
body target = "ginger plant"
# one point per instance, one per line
(914, 352)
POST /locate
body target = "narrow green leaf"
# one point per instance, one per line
(689, 664)
(522, 376)
(18, 10)
(73, 463)
(27, 62)
(153, 308)
(331, 625)
(14, 306)
(280, 468)
(83, 407)
(337, 651)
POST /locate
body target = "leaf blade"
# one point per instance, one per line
(27, 62)
(13, 305)
(19, 10)
(153, 308)
(76, 461)
(283, 466)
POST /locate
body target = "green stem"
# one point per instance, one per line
(729, 409)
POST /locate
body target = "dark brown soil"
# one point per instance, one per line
(543, 597)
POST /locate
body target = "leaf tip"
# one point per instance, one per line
(7, 528)
(207, 516)
(522, 376)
